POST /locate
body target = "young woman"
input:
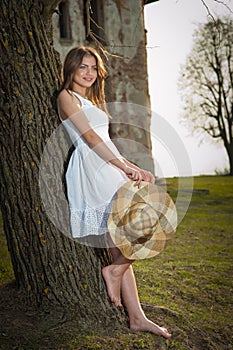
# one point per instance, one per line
(96, 171)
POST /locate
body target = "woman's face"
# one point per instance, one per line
(86, 74)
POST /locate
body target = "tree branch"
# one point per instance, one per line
(229, 61)
(208, 84)
(224, 4)
(218, 2)
(208, 11)
(211, 132)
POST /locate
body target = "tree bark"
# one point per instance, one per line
(49, 266)
(229, 149)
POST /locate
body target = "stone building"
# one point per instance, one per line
(118, 25)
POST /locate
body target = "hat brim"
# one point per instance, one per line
(155, 215)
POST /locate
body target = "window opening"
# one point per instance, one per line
(93, 14)
(64, 20)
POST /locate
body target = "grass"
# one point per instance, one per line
(194, 275)
(192, 278)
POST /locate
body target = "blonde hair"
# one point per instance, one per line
(73, 61)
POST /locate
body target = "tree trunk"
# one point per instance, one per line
(48, 265)
(229, 149)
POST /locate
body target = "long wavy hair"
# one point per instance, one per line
(73, 61)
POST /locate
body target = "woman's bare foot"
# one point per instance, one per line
(148, 326)
(113, 282)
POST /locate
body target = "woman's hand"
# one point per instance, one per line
(147, 176)
(139, 175)
(134, 174)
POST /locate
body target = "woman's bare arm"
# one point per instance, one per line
(70, 108)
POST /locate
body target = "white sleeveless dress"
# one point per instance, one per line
(91, 182)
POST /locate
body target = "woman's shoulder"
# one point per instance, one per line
(68, 104)
(63, 96)
(66, 96)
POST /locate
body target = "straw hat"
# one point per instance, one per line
(142, 220)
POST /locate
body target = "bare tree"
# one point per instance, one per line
(206, 83)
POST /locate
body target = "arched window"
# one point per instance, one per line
(64, 21)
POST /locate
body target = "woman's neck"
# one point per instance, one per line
(81, 92)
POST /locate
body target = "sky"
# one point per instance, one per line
(170, 25)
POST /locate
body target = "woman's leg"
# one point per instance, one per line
(113, 274)
(137, 318)
(128, 288)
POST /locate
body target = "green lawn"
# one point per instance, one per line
(192, 278)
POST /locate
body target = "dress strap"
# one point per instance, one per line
(84, 101)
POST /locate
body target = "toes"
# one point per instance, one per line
(117, 302)
(165, 332)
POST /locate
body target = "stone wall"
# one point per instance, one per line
(120, 28)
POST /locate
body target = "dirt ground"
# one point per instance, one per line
(24, 327)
